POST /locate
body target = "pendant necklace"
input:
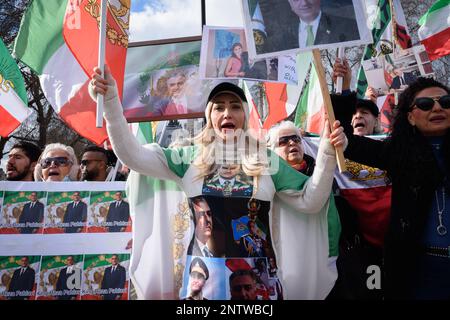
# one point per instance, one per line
(441, 229)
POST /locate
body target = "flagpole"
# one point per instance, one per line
(339, 80)
(328, 106)
(101, 60)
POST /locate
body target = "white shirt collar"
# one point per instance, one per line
(302, 32)
(222, 181)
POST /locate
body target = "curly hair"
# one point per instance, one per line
(411, 155)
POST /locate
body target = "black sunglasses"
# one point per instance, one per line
(87, 161)
(58, 161)
(283, 141)
(427, 103)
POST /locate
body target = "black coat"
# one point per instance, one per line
(75, 214)
(31, 215)
(118, 214)
(282, 27)
(61, 284)
(114, 280)
(24, 282)
(412, 190)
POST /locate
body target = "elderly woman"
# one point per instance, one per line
(417, 158)
(223, 140)
(286, 140)
(57, 163)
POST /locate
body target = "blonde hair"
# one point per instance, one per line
(205, 162)
(73, 173)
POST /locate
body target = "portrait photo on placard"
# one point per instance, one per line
(60, 277)
(162, 82)
(277, 27)
(23, 212)
(19, 276)
(393, 72)
(105, 277)
(109, 212)
(66, 212)
(224, 55)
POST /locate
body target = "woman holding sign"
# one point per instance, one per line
(247, 195)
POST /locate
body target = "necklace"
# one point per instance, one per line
(441, 229)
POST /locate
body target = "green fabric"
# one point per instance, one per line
(286, 177)
(40, 33)
(382, 21)
(436, 6)
(179, 159)
(9, 71)
(310, 36)
(334, 229)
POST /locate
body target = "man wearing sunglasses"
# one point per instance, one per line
(94, 164)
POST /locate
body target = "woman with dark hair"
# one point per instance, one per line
(417, 158)
(234, 63)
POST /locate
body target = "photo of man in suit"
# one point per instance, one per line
(22, 281)
(118, 213)
(63, 279)
(401, 79)
(305, 23)
(201, 242)
(32, 212)
(76, 214)
(114, 280)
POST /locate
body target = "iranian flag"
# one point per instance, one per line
(389, 31)
(366, 192)
(434, 31)
(59, 41)
(13, 95)
(310, 114)
(283, 98)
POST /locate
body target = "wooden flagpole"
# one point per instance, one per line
(101, 60)
(328, 105)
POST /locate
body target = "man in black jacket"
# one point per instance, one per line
(22, 281)
(114, 280)
(32, 213)
(62, 287)
(76, 214)
(118, 213)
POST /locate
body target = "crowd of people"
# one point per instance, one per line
(232, 195)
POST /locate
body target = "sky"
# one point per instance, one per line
(163, 19)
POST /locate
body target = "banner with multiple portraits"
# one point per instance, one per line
(64, 241)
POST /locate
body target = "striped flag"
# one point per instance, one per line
(310, 114)
(389, 30)
(13, 96)
(434, 31)
(59, 41)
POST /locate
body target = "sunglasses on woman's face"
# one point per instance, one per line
(283, 141)
(427, 103)
(58, 161)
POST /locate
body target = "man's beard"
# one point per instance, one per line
(89, 175)
(20, 175)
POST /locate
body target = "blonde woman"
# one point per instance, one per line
(223, 140)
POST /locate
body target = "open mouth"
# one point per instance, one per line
(293, 150)
(228, 127)
(359, 125)
(53, 173)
